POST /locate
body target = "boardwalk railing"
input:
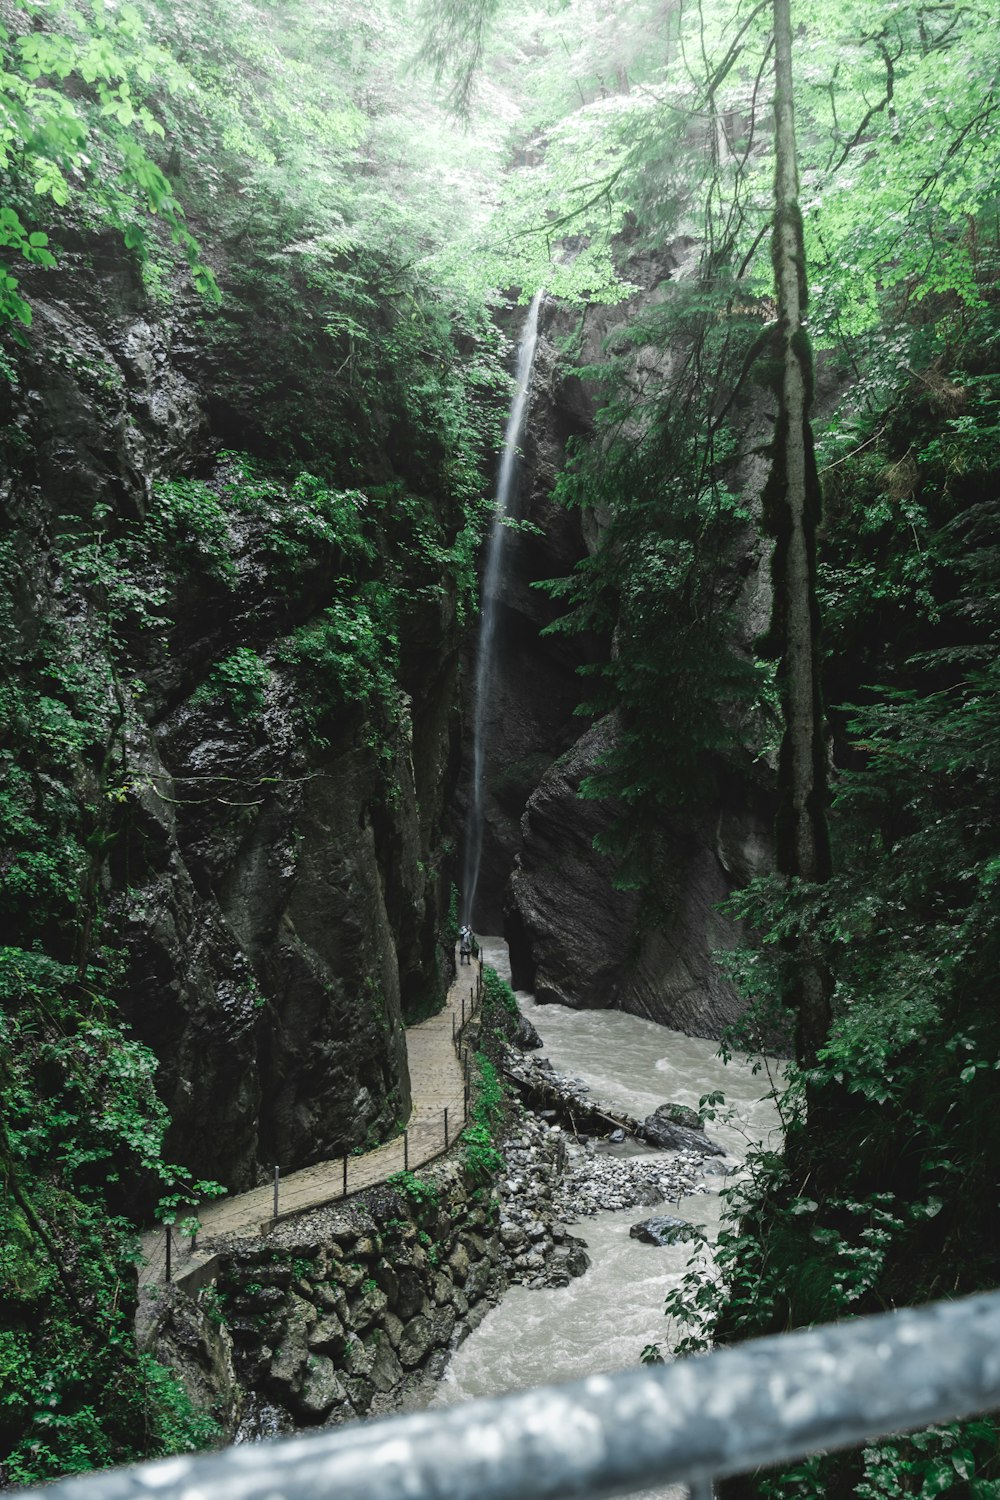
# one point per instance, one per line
(430, 1132)
(691, 1422)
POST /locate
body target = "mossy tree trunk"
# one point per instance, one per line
(792, 504)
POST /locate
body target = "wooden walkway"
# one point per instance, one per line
(440, 1102)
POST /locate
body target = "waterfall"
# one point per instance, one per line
(493, 573)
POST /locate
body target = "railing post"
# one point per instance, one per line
(454, 1029)
(406, 1150)
(168, 1271)
(345, 1174)
(277, 1174)
(446, 1129)
(463, 1012)
(466, 1101)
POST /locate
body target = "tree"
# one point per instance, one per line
(74, 122)
(792, 505)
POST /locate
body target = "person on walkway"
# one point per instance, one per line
(465, 944)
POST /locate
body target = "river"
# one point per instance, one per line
(602, 1320)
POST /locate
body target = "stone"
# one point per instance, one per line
(368, 1308)
(577, 1261)
(393, 1327)
(525, 1035)
(285, 1369)
(361, 1392)
(411, 1296)
(260, 1298)
(680, 1114)
(328, 1333)
(664, 1133)
(386, 1370)
(442, 1288)
(512, 1235)
(666, 1230)
(359, 1356)
(330, 1297)
(442, 1321)
(351, 1275)
(458, 1260)
(416, 1342)
(387, 1279)
(322, 1387)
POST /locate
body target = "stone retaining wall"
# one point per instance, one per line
(344, 1311)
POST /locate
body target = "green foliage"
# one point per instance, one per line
(82, 1128)
(78, 129)
(884, 1178)
(348, 655)
(499, 1003)
(664, 580)
(483, 1157)
(449, 936)
(189, 521)
(239, 682)
(422, 1194)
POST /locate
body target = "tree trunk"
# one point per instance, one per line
(792, 502)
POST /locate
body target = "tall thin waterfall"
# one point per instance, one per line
(492, 576)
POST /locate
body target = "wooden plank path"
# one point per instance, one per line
(437, 1116)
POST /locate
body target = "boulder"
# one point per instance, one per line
(577, 1261)
(525, 1036)
(659, 1131)
(328, 1333)
(679, 1114)
(666, 1230)
(322, 1388)
(369, 1307)
(458, 1260)
(386, 1370)
(416, 1342)
(411, 1294)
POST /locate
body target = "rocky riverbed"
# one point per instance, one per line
(555, 1176)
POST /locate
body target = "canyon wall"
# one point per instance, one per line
(574, 937)
(225, 807)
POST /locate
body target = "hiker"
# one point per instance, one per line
(465, 944)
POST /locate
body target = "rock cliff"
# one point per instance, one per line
(234, 729)
(574, 937)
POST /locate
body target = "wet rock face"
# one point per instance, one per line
(535, 689)
(577, 941)
(273, 891)
(574, 938)
(567, 927)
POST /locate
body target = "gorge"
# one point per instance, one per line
(291, 686)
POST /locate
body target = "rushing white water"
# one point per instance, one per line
(603, 1319)
(492, 577)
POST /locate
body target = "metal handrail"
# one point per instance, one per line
(761, 1403)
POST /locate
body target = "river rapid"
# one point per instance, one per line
(602, 1320)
